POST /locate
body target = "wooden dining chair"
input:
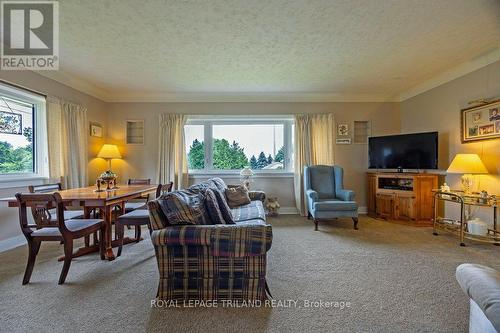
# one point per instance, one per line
(130, 206)
(137, 218)
(51, 188)
(48, 228)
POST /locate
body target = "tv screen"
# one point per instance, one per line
(407, 151)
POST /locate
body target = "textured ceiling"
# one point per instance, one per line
(382, 47)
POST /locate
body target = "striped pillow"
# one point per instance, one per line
(180, 207)
(224, 207)
(213, 207)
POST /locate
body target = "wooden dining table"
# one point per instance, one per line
(106, 201)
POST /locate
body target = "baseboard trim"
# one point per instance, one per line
(12, 243)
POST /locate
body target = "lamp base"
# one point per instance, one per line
(467, 183)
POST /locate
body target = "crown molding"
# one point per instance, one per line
(76, 83)
(248, 97)
(452, 74)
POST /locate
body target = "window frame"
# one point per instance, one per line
(40, 156)
(209, 122)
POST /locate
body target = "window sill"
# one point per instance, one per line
(236, 174)
(20, 181)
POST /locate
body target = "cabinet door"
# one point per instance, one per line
(425, 197)
(372, 194)
(385, 205)
(405, 207)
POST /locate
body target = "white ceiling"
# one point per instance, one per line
(371, 49)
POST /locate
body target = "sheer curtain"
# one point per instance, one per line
(314, 144)
(172, 163)
(67, 142)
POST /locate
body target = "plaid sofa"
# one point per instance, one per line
(213, 262)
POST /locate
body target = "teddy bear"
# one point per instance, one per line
(272, 206)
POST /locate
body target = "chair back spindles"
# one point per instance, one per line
(45, 188)
(40, 207)
(164, 188)
(139, 181)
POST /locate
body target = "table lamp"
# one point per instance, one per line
(109, 152)
(246, 177)
(468, 165)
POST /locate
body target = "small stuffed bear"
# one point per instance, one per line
(272, 206)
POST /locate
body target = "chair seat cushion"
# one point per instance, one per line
(134, 205)
(135, 217)
(72, 225)
(482, 285)
(335, 205)
(68, 214)
(135, 214)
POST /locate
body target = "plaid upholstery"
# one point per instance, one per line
(223, 240)
(254, 210)
(212, 262)
(213, 208)
(224, 207)
(156, 217)
(180, 207)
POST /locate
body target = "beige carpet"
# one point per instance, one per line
(397, 279)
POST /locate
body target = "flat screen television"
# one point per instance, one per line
(405, 151)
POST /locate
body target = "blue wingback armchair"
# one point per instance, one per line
(326, 196)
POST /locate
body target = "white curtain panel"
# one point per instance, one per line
(68, 146)
(172, 163)
(314, 144)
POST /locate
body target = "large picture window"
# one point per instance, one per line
(225, 144)
(22, 141)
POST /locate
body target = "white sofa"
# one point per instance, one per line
(482, 285)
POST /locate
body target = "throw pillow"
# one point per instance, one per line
(184, 208)
(213, 207)
(224, 207)
(237, 196)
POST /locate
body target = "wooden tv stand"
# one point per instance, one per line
(401, 196)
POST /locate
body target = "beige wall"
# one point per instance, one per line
(9, 225)
(439, 110)
(141, 161)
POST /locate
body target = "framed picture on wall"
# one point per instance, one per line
(342, 129)
(96, 130)
(481, 122)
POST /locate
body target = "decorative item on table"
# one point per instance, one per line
(483, 197)
(468, 165)
(273, 206)
(246, 175)
(445, 188)
(477, 227)
(109, 178)
(481, 122)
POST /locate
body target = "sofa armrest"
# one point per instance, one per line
(345, 195)
(257, 195)
(224, 240)
(312, 194)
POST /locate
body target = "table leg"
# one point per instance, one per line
(108, 211)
